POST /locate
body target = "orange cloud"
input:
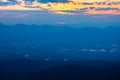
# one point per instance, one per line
(89, 1)
(70, 7)
(109, 12)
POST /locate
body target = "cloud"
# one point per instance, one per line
(2, 16)
(88, 1)
(99, 16)
(14, 14)
(71, 7)
(46, 1)
(105, 12)
(4, 1)
(61, 23)
(21, 15)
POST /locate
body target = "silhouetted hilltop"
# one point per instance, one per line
(58, 70)
(77, 72)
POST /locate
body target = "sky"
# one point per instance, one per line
(98, 13)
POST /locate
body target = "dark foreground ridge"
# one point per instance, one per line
(58, 70)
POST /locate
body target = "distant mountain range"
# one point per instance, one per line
(44, 52)
(59, 42)
(46, 34)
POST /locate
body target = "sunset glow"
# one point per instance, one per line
(111, 7)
